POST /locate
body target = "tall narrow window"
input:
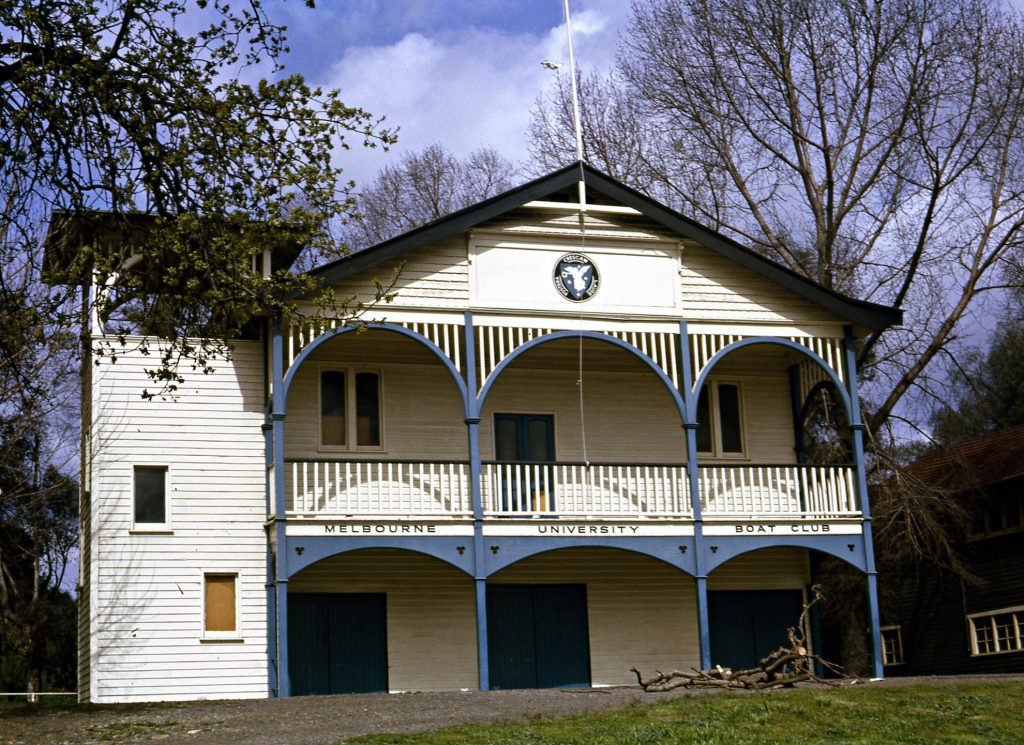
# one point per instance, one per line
(333, 392)
(219, 600)
(704, 420)
(729, 417)
(367, 409)
(150, 495)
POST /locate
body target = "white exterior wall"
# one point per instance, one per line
(711, 288)
(767, 569)
(146, 604)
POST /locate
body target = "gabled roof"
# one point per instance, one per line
(984, 460)
(859, 312)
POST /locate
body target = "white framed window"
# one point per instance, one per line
(997, 632)
(221, 618)
(892, 645)
(351, 408)
(720, 426)
(150, 504)
(1001, 516)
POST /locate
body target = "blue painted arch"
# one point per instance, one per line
(844, 396)
(663, 549)
(729, 548)
(375, 326)
(320, 548)
(596, 336)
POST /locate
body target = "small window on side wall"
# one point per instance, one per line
(220, 607)
(150, 495)
(892, 645)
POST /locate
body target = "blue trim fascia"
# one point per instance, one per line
(596, 336)
(308, 550)
(504, 551)
(720, 549)
(289, 378)
(737, 345)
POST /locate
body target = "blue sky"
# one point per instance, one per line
(465, 73)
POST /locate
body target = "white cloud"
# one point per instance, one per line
(465, 88)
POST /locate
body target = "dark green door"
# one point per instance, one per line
(537, 636)
(748, 625)
(337, 643)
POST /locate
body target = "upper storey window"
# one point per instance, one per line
(720, 419)
(350, 409)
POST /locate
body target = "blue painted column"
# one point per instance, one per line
(857, 437)
(280, 535)
(472, 413)
(690, 426)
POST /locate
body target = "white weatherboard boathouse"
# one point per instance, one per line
(571, 445)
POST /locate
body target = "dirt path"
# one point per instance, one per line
(315, 720)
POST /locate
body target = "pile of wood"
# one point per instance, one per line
(784, 667)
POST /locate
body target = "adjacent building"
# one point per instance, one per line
(938, 623)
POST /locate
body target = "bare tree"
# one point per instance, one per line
(873, 147)
(425, 186)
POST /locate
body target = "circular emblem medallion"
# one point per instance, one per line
(576, 277)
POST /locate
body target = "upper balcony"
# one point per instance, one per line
(573, 429)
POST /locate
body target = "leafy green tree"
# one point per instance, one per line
(139, 108)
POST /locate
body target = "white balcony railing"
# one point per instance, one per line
(763, 491)
(430, 489)
(579, 490)
(436, 489)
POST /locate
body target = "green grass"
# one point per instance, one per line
(987, 714)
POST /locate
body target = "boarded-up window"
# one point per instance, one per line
(150, 494)
(220, 602)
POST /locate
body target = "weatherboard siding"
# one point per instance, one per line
(431, 616)
(436, 276)
(641, 612)
(716, 289)
(147, 589)
(768, 569)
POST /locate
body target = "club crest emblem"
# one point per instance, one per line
(576, 277)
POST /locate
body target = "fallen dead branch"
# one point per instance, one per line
(784, 667)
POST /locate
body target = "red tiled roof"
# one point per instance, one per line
(984, 460)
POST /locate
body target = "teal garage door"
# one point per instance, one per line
(537, 636)
(748, 625)
(337, 643)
